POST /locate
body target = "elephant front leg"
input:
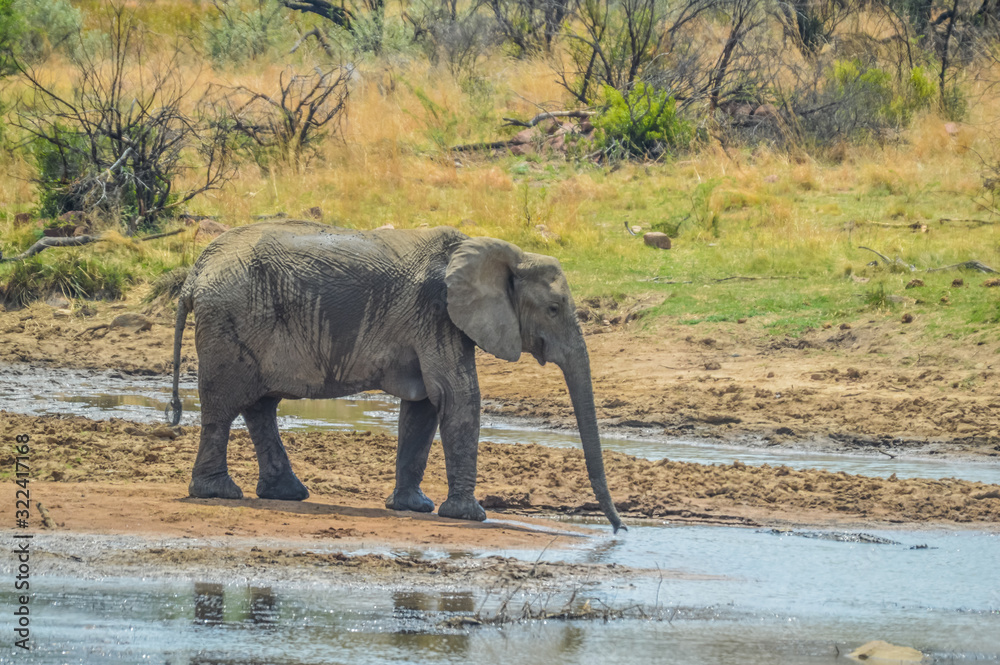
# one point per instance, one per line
(418, 421)
(460, 438)
(276, 480)
(210, 478)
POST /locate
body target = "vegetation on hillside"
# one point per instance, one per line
(770, 139)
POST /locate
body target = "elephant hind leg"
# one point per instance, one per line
(418, 422)
(277, 480)
(210, 478)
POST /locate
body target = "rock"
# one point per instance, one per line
(385, 227)
(22, 219)
(879, 651)
(657, 240)
(210, 230)
(827, 325)
(523, 137)
(58, 301)
(164, 432)
(314, 213)
(907, 318)
(62, 231)
(61, 313)
(992, 282)
(741, 321)
(845, 326)
(957, 282)
(131, 322)
(547, 236)
(712, 366)
(636, 230)
(80, 231)
(914, 283)
(769, 111)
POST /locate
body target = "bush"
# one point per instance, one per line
(48, 24)
(74, 277)
(60, 167)
(866, 100)
(124, 132)
(643, 123)
(246, 29)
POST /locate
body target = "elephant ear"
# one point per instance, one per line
(478, 278)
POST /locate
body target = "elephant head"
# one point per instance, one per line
(508, 301)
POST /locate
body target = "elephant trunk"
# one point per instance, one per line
(576, 370)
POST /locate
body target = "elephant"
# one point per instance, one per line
(298, 309)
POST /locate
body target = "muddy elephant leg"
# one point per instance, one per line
(210, 477)
(460, 438)
(277, 480)
(418, 421)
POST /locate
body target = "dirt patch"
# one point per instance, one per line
(118, 477)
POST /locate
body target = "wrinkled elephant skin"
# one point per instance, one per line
(297, 310)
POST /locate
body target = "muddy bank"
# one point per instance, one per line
(865, 388)
(86, 468)
(227, 560)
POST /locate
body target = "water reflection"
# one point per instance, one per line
(262, 603)
(420, 613)
(210, 606)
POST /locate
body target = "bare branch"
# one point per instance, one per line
(548, 115)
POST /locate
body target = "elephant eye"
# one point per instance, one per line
(553, 310)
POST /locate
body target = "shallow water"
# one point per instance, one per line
(101, 395)
(776, 598)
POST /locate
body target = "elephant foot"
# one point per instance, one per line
(219, 486)
(286, 487)
(462, 509)
(410, 499)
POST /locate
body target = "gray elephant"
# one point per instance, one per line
(296, 310)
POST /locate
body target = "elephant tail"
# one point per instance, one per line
(184, 305)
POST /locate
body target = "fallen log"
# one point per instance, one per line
(548, 115)
(47, 242)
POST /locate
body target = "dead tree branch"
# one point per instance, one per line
(488, 145)
(548, 115)
(336, 13)
(881, 256)
(966, 265)
(76, 241)
(319, 38)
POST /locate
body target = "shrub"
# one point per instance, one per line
(60, 169)
(643, 123)
(47, 24)
(867, 98)
(246, 29)
(74, 277)
(126, 129)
